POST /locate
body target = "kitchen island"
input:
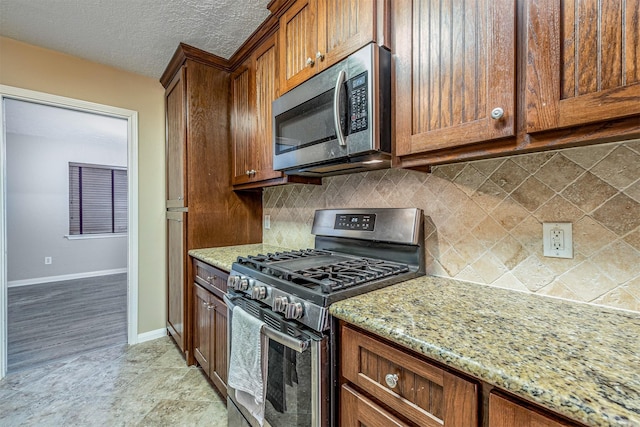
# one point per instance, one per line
(577, 360)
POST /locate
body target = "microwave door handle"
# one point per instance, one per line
(336, 107)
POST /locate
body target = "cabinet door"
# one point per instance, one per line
(505, 413)
(356, 411)
(583, 62)
(175, 99)
(455, 65)
(202, 328)
(344, 26)
(266, 83)
(242, 119)
(419, 391)
(176, 244)
(298, 43)
(219, 369)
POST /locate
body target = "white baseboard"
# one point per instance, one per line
(152, 335)
(64, 277)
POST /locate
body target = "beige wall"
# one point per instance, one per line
(34, 68)
(485, 218)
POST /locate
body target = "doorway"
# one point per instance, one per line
(57, 260)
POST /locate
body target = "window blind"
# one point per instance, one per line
(97, 199)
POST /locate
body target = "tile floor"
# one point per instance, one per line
(146, 384)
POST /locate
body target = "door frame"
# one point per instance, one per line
(131, 116)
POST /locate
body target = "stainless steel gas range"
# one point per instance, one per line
(356, 251)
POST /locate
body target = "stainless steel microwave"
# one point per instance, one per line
(339, 121)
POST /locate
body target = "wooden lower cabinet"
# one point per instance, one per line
(176, 268)
(414, 390)
(210, 336)
(507, 413)
(210, 323)
(385, 385)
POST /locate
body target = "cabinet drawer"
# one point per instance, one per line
(423, 393)
(210, 278)
(504, 412)
(357, 410)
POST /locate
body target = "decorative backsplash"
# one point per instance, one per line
(484, 218)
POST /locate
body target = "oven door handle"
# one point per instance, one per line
(286, 340)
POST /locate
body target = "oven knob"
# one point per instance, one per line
(231, 281)
(280, 304)
(259, 292)
(293, 311)
(242, 284)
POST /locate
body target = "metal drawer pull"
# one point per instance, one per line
(391, 380)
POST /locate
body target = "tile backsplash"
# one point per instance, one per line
(484, 218)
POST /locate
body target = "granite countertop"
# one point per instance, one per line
(578, 360)
(224, 256)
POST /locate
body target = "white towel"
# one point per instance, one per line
(248, 362)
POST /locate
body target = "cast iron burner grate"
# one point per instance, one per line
(313, 268)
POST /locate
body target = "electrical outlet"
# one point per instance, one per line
(48, 260)
(557, 239)
(267, 222)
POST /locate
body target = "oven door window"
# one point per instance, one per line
(289, 385)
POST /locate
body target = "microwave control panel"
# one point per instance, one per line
(358, 97)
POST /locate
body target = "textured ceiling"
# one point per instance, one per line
(135, 35)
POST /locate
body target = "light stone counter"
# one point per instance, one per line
(224, 256)
(578, 360)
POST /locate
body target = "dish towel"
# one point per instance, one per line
(248, 362)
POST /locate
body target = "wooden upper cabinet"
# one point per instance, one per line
(298, 43)
(254, 86)
(506, 413)
(344, 26)
(455, 73)
(315, 34)
(242, 121)
(175, 100)
(265, 62)
(583, 62)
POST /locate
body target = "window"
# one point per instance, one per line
(97, 199)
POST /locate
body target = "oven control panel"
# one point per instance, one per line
(361, 222)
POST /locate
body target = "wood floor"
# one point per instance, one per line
(53, 321)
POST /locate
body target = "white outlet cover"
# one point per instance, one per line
(267, 222)
(566, 245)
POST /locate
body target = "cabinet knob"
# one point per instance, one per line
(180, 197)
(391, 380)
(319, 56)
(497, 113)
(310, 62)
